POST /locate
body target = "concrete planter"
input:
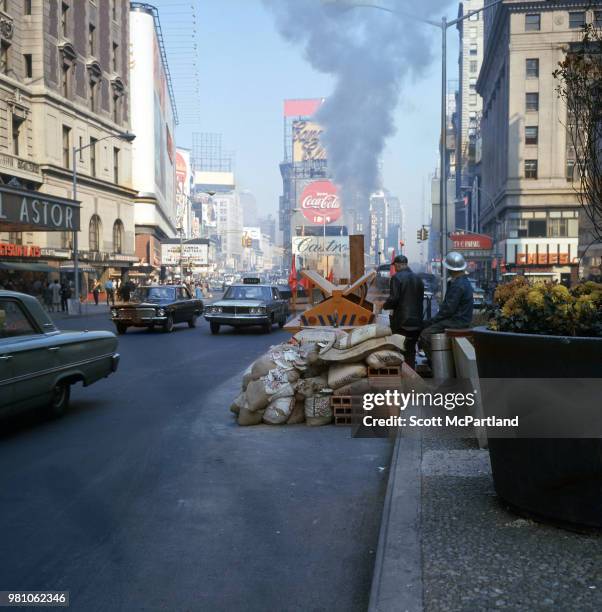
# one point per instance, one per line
(556, 479)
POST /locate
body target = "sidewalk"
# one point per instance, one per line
(448, 544)
(88, 309)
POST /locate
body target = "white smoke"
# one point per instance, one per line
(371, 54)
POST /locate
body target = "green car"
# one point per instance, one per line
(39, 363)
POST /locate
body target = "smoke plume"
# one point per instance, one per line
(370, 54)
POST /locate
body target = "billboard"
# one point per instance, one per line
(192, 254)
(302, 108)
(306, 142)
(315, 253)
(320, 202)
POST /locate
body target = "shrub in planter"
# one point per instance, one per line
(546, 331)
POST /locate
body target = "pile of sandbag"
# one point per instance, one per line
(293, 382)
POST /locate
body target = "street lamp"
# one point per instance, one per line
(443, 25)
(74, 152)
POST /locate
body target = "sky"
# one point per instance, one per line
(235, 80)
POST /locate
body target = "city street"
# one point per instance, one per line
(147, 495)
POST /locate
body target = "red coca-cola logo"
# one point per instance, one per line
(320, 202)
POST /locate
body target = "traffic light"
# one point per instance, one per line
(419, 235)
(425, 233)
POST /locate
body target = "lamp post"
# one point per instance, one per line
(443, 26)
(74, 152)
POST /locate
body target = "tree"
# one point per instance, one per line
(579, 78)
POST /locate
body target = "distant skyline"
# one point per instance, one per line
(247, 70)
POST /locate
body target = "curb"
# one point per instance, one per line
(397, 579)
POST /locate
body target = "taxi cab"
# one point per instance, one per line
(247, 304)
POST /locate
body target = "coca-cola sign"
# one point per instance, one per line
(320, 202)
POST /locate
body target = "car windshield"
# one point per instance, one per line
(247, 292)
(155, 293)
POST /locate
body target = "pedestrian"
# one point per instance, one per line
(126, 291)
(48, 297)
(65, 296)
(406, 300)
(96, 291)
(55, 289)
(455, 312)
(110, 289)
(198, 292)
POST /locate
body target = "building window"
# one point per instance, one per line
(116, 165)
(116, 113)
(114, 9)
(531, 135)
(65, 19)
(473, 17)
(66, 74)
(472, 84)
(16, 134)
(558, 228)
(532, 101)
(474, 66)
(92, 91)
(93, 142)
(532, 68)
(118, 236)
(66, 146)
(115, 57)
(66, 240)
(94, 234)
(537, 228)
(27, 7)
(91, 39)
(4, 58)
(472, 99)
(473, 33)
(532, 21)
(570, 170)
(531, 168)
(473, 50)
(28, 65)
(576, 19)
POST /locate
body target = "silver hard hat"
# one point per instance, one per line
(455, 261)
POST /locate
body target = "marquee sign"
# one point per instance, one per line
(31, 211)
(7, 249)
(320, 202)
(471, 242)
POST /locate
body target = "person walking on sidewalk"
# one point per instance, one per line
(455, 311)
(55, 289)
(96, 291)
(65, 296)
(406, 297)
(110, 289)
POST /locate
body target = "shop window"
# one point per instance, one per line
(94, 234)
(118, 236)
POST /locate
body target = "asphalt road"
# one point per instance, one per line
(148, 496)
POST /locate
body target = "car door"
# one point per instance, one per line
(30, 354)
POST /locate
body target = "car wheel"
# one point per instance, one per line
(121, 328)
(214, 327)
(282, 322)
(60, 400)
(168, 326)
(192, 322)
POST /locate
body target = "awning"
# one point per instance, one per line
(30, 267)
(84, 268)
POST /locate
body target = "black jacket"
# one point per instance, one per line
(406, 300)
(457, 305)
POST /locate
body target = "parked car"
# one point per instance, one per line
(157, 306)
(248, 304)
(39, 363)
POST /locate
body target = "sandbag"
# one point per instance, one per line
(361, 334)
(343, 374)
(383, 359)
(238, 403)
(318, 410)
(314, 336)
(298, 414)
(256, 395)
(247, 377)
(356, 388)
(278, 411)
(248, 417)
(262, 366)
(307, 387)
(361, 351)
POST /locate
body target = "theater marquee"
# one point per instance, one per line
(30, 211)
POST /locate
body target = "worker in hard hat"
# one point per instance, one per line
(455, 312)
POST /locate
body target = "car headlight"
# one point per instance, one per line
(218, 309)
(114, 312)
(258, 310)
(160, 312)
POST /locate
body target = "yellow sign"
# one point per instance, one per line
(306, 141)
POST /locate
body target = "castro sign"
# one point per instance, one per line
(320, 202)
(31, 211)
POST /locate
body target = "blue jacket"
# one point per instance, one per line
(457, 306)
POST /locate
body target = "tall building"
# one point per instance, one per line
(154, 153)
(268, 226)
(249, 208)
(469, 106)
(527, 201)
(64, 84)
